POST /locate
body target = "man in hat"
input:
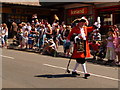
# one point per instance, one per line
(82, 31)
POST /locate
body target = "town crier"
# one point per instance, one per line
(81, 30)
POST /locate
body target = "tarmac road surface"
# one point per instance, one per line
(30, 70)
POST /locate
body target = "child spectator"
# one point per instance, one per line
(50, 48)
(25, 39)
(110, 53)
(94, 47)
(30, 40)
(96, 35)
(117, 50)
(66, 47)
(102, 50)
(117, 43)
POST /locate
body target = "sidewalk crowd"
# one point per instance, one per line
(46, 38)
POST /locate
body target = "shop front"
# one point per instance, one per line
(78, 13)
(109, 16)
(21, 13)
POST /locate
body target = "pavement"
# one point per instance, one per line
(61, 54)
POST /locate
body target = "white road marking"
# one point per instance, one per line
(83, 72)
(7, 57)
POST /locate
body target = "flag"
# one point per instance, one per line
(56, 17)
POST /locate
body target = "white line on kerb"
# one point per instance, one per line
(7, 57)
(83, 72)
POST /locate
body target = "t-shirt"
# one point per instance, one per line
(94, 46)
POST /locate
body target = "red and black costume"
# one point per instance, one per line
(76, 30)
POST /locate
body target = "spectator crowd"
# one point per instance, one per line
(46, 38)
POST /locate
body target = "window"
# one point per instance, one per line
(13, 10)
(107, 19)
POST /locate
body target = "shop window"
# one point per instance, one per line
(117, 17)
(107, 19)
(0, 15)
(91, 20)
(13, 10)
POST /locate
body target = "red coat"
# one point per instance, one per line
(77, 31)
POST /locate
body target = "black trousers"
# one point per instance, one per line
(81, 60)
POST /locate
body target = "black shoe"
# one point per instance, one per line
(87, 75)
(75, 73)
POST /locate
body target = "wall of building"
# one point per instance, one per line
(20, 13)
(22, 2)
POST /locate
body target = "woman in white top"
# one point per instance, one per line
(1, 35)
(4, 35)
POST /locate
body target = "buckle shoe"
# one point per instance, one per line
(86, 75)
(75, 73)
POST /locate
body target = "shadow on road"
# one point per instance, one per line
(55, 76)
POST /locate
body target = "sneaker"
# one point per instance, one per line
(75, 73)
(86, 75)
(55, 54)
(117, 63)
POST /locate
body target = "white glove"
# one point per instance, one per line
(97, 24)
(82, 36)
(75, 39)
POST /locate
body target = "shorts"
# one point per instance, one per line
(30, 41)
(67, 47)
(81, 60)
(24, 40)
(6, 37)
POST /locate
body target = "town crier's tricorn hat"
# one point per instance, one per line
(83, 19)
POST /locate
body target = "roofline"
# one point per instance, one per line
(20, 4)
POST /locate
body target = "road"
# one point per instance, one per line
(31, 70)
